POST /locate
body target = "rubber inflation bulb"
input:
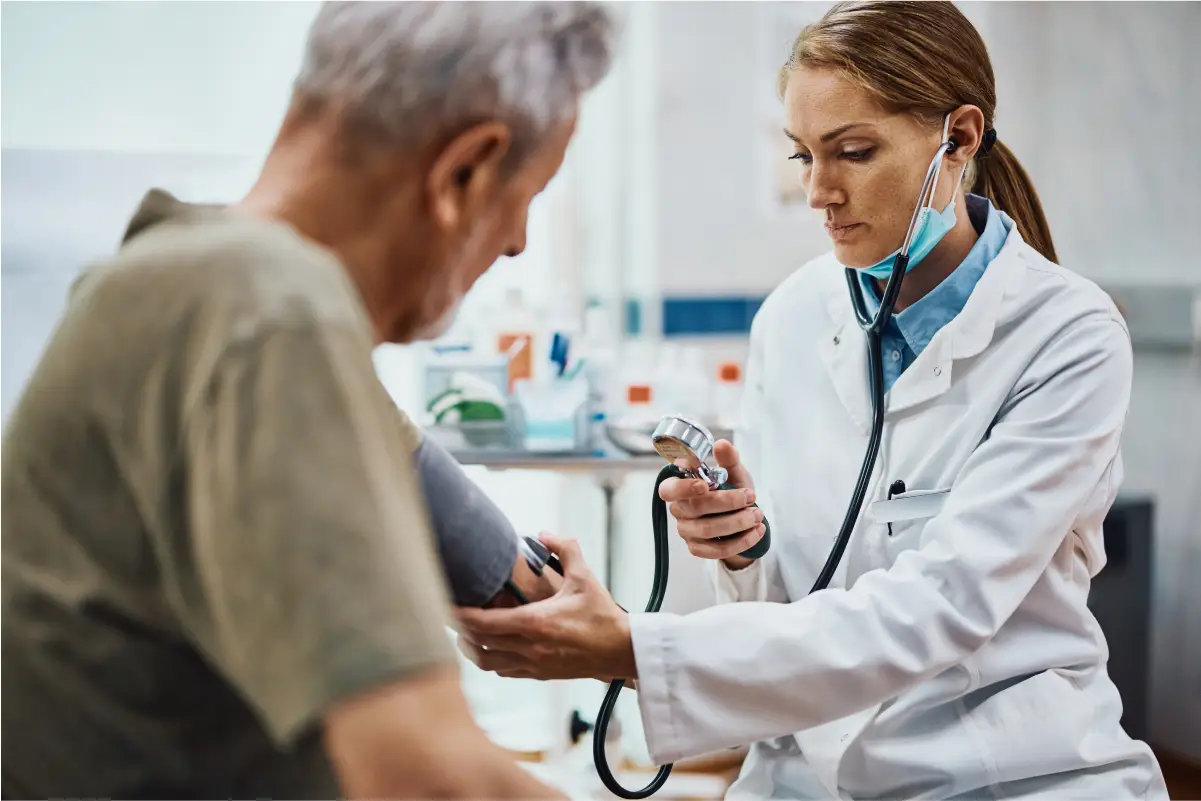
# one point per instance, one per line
(760, 548)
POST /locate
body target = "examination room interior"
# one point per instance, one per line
(675, 214)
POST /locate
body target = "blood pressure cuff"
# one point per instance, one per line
(477, 543)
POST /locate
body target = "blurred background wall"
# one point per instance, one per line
(674, 214)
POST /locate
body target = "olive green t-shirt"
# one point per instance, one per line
(212, 529)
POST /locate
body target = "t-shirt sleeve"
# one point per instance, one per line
(308, 573)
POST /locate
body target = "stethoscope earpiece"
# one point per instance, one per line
(952, 145)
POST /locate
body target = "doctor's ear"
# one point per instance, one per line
(967, 132)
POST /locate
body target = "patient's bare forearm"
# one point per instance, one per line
(416, 739)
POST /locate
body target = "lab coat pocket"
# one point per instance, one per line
(825, 746)
(900, 521)
(1038, 726)
(914, 505)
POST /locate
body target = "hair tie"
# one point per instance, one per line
(990, 139)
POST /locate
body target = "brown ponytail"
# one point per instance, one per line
(1001, 179)
(925, 58)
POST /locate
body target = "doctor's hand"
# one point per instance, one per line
(578, 633)
(717, 524)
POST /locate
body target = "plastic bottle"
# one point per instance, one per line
(727, 395)
(693, 386)
(640, 403)
(638, 397)
(516, 327)
(598, 352)
(669, 397)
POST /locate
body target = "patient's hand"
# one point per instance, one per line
(578, 633)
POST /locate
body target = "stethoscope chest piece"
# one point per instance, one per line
(681, 438)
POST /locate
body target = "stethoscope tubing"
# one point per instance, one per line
(873, 326)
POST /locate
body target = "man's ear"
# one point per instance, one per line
(467, 171)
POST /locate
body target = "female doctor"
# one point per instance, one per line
(953, 654)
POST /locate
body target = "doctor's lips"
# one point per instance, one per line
(840, 233)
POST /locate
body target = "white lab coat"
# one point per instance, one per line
(955, 657)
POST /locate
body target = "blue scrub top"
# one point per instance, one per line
(908, 332)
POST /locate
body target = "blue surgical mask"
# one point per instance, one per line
(931, 227)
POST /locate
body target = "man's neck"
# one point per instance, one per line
(314, 213)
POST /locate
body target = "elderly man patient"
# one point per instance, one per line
(219, 577)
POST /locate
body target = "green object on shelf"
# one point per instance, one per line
(474, 411)
(480, 422)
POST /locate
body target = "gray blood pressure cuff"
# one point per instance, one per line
(477, 543)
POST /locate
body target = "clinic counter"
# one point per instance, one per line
(618, 464)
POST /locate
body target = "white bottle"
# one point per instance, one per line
(693, 387)
(670, 397)
(515, 331)
(637, 400)
(727, 396)
(599, 356)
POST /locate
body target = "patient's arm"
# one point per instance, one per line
(476, 542)
(531, 586)
(416, 738)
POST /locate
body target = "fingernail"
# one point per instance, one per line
(759, 515)
(750, 496)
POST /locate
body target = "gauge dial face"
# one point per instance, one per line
(678, 437)
(673, 450)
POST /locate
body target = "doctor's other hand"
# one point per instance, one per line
(578, 633)
(717, 524)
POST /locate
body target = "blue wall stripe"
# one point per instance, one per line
(719, 315)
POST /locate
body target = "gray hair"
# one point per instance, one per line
(415, 70)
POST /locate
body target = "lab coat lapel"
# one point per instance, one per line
(969, 333)
(928, 377)
(843, 349)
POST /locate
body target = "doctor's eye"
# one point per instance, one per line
(859, 155)
(804, 158)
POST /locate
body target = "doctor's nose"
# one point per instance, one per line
(821, 191)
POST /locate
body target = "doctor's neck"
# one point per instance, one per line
(940, 262)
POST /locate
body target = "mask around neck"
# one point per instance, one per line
(930, 229)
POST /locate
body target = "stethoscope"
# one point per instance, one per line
(678, 437)
(874, 327)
